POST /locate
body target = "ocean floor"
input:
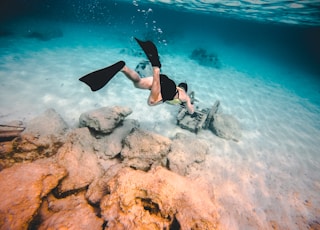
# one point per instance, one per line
(270, 175)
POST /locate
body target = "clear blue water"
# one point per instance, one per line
(268, 78)
(276, 42)
(285, 33)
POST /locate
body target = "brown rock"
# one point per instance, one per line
(6, 152)
(10, 130)
(158, 199)
(22, 187)
(72, 212)
(108, 146)
(78, 157)
(42, 138)
(99, 187)
(143, 149)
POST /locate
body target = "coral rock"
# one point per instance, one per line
(47, 124)
(99, 187)
(108, 146)
(143, 149)
(105, 119)
(186, 153)
(42, 138)
(158, 199)
(226, 126)
(22, 187)
(78, 157)
(72, 212)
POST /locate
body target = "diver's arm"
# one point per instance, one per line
(189, 105)
(155, 94)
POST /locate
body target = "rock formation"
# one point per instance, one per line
(22, 188)
(142, 150)
(72, 212)
(206, 59)
(186, 154)
(105, 119)
(77, 156)
(42, 138)
(159, 199)
(226, 126)
(144, 69)
(106, 174)
(44, 35)
(11, 130)
(109, 146)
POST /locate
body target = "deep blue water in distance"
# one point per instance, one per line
(293, 46)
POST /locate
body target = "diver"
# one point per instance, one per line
(162, 89)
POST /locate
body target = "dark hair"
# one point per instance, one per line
(184, 86)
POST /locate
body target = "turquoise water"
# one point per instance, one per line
(267, 75)
(275, 42)
(251, 36)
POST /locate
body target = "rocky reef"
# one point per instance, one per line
(44, 35)
(206, 59)
(106, 174)
(144, 69)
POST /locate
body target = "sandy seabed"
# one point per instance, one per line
(269, 179)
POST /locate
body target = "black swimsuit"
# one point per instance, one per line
(168, 88)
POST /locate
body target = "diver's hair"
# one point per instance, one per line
(184, 86)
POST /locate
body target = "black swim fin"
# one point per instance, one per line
(99, 78)
(151, 51)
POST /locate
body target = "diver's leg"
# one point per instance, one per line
(141, 83)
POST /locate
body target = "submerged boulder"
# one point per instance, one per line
(206, 59)
(47, 124)
(11, 130)
(99, 187)
(104, 120)
(158, 199)
(43, 136)
(44, 35)
(22, 188)
(109, 146)
(186, 154)
(143, 150)
(78, 157)
(72, 212)
(144, 69)
(226, 126)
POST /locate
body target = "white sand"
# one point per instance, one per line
(269, 178)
